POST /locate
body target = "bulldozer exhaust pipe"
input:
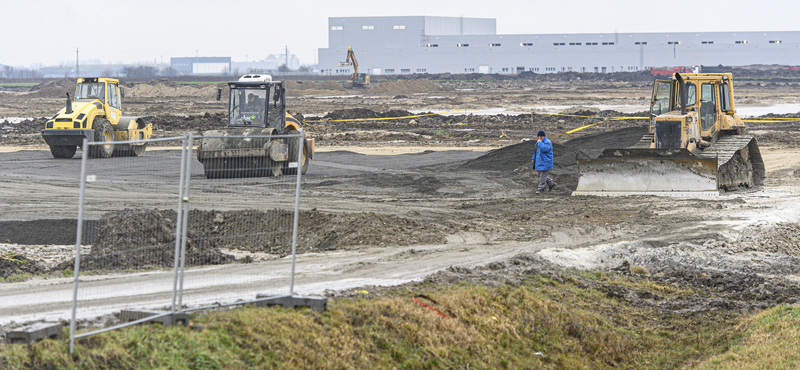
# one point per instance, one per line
(682, 92)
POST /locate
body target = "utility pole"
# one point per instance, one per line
(77, 64)
(287, 58)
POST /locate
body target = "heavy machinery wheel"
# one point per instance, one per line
(102, 133)
(303, 165)
(63, 151)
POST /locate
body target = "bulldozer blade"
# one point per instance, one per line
(666, 172)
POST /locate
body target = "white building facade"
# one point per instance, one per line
(421, 44)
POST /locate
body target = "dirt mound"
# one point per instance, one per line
(513, 157)
(208, 121)
(356, 113)
(270, 231)
(517, 157)
(171, 89)
(404, 87)
(778, 238)
(54, 88)
(136, 238)
(12, 263)
(301, 88)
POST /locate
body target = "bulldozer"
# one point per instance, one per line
(248, 146)
(696, 145)
(96, 114)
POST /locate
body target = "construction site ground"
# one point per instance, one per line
(448, 197)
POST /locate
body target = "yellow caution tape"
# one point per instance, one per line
(581, 128)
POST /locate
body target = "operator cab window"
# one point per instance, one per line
(91, 91)
(724, 98)
(662, 97)
(708, 107)
(691, 94)
(248, 107)
(112, 96)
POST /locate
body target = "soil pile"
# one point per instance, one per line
(305, 88)
(404, 87)
(517, 157)
(325, 231)
(54, 88)
(12, 263)
(137, 238)
(208, 121)
(171, 90)
(513, 157)
(270, 231)
(357, 113)
(26, 132)
(778, 238)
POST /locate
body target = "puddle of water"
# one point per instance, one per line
(15, 120)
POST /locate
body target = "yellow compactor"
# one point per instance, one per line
(96, 114)
(696, 146)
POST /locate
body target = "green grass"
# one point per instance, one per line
(547, 322)
(18, 84)
(770, 340)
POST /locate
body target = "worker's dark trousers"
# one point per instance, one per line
(544, 180)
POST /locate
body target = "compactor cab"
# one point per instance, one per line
(251, 145)
(257, 101)
(96, 114)
(696, 145)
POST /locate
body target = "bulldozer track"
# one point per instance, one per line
(726, 147)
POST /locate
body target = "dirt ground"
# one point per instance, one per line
(443, 189)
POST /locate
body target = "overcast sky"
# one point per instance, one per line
(49, 31)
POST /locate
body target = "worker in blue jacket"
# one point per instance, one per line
(543, 162)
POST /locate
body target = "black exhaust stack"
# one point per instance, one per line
(69, 105)
(682, 92)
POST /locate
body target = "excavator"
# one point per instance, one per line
(357, 79)
(696, 145)
(251, 145)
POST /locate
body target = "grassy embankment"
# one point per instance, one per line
(548, 322)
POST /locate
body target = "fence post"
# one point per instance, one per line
(178, 223)
(297, 207)
(185, 224)
(77, 266)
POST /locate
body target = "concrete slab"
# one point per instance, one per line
(170, 319)
(35, 332)
(318, 304)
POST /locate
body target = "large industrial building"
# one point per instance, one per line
(201, 65)
(421, 44)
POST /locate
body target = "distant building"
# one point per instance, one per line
(421, 44)
(270, 63)
(201, 65)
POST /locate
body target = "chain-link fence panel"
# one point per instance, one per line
(129, 229)
(242, 211)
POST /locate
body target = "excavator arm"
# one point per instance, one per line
(351, 58)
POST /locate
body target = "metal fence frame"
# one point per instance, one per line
(181, 232)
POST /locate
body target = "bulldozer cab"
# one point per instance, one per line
(257, 104)
(707, 96)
